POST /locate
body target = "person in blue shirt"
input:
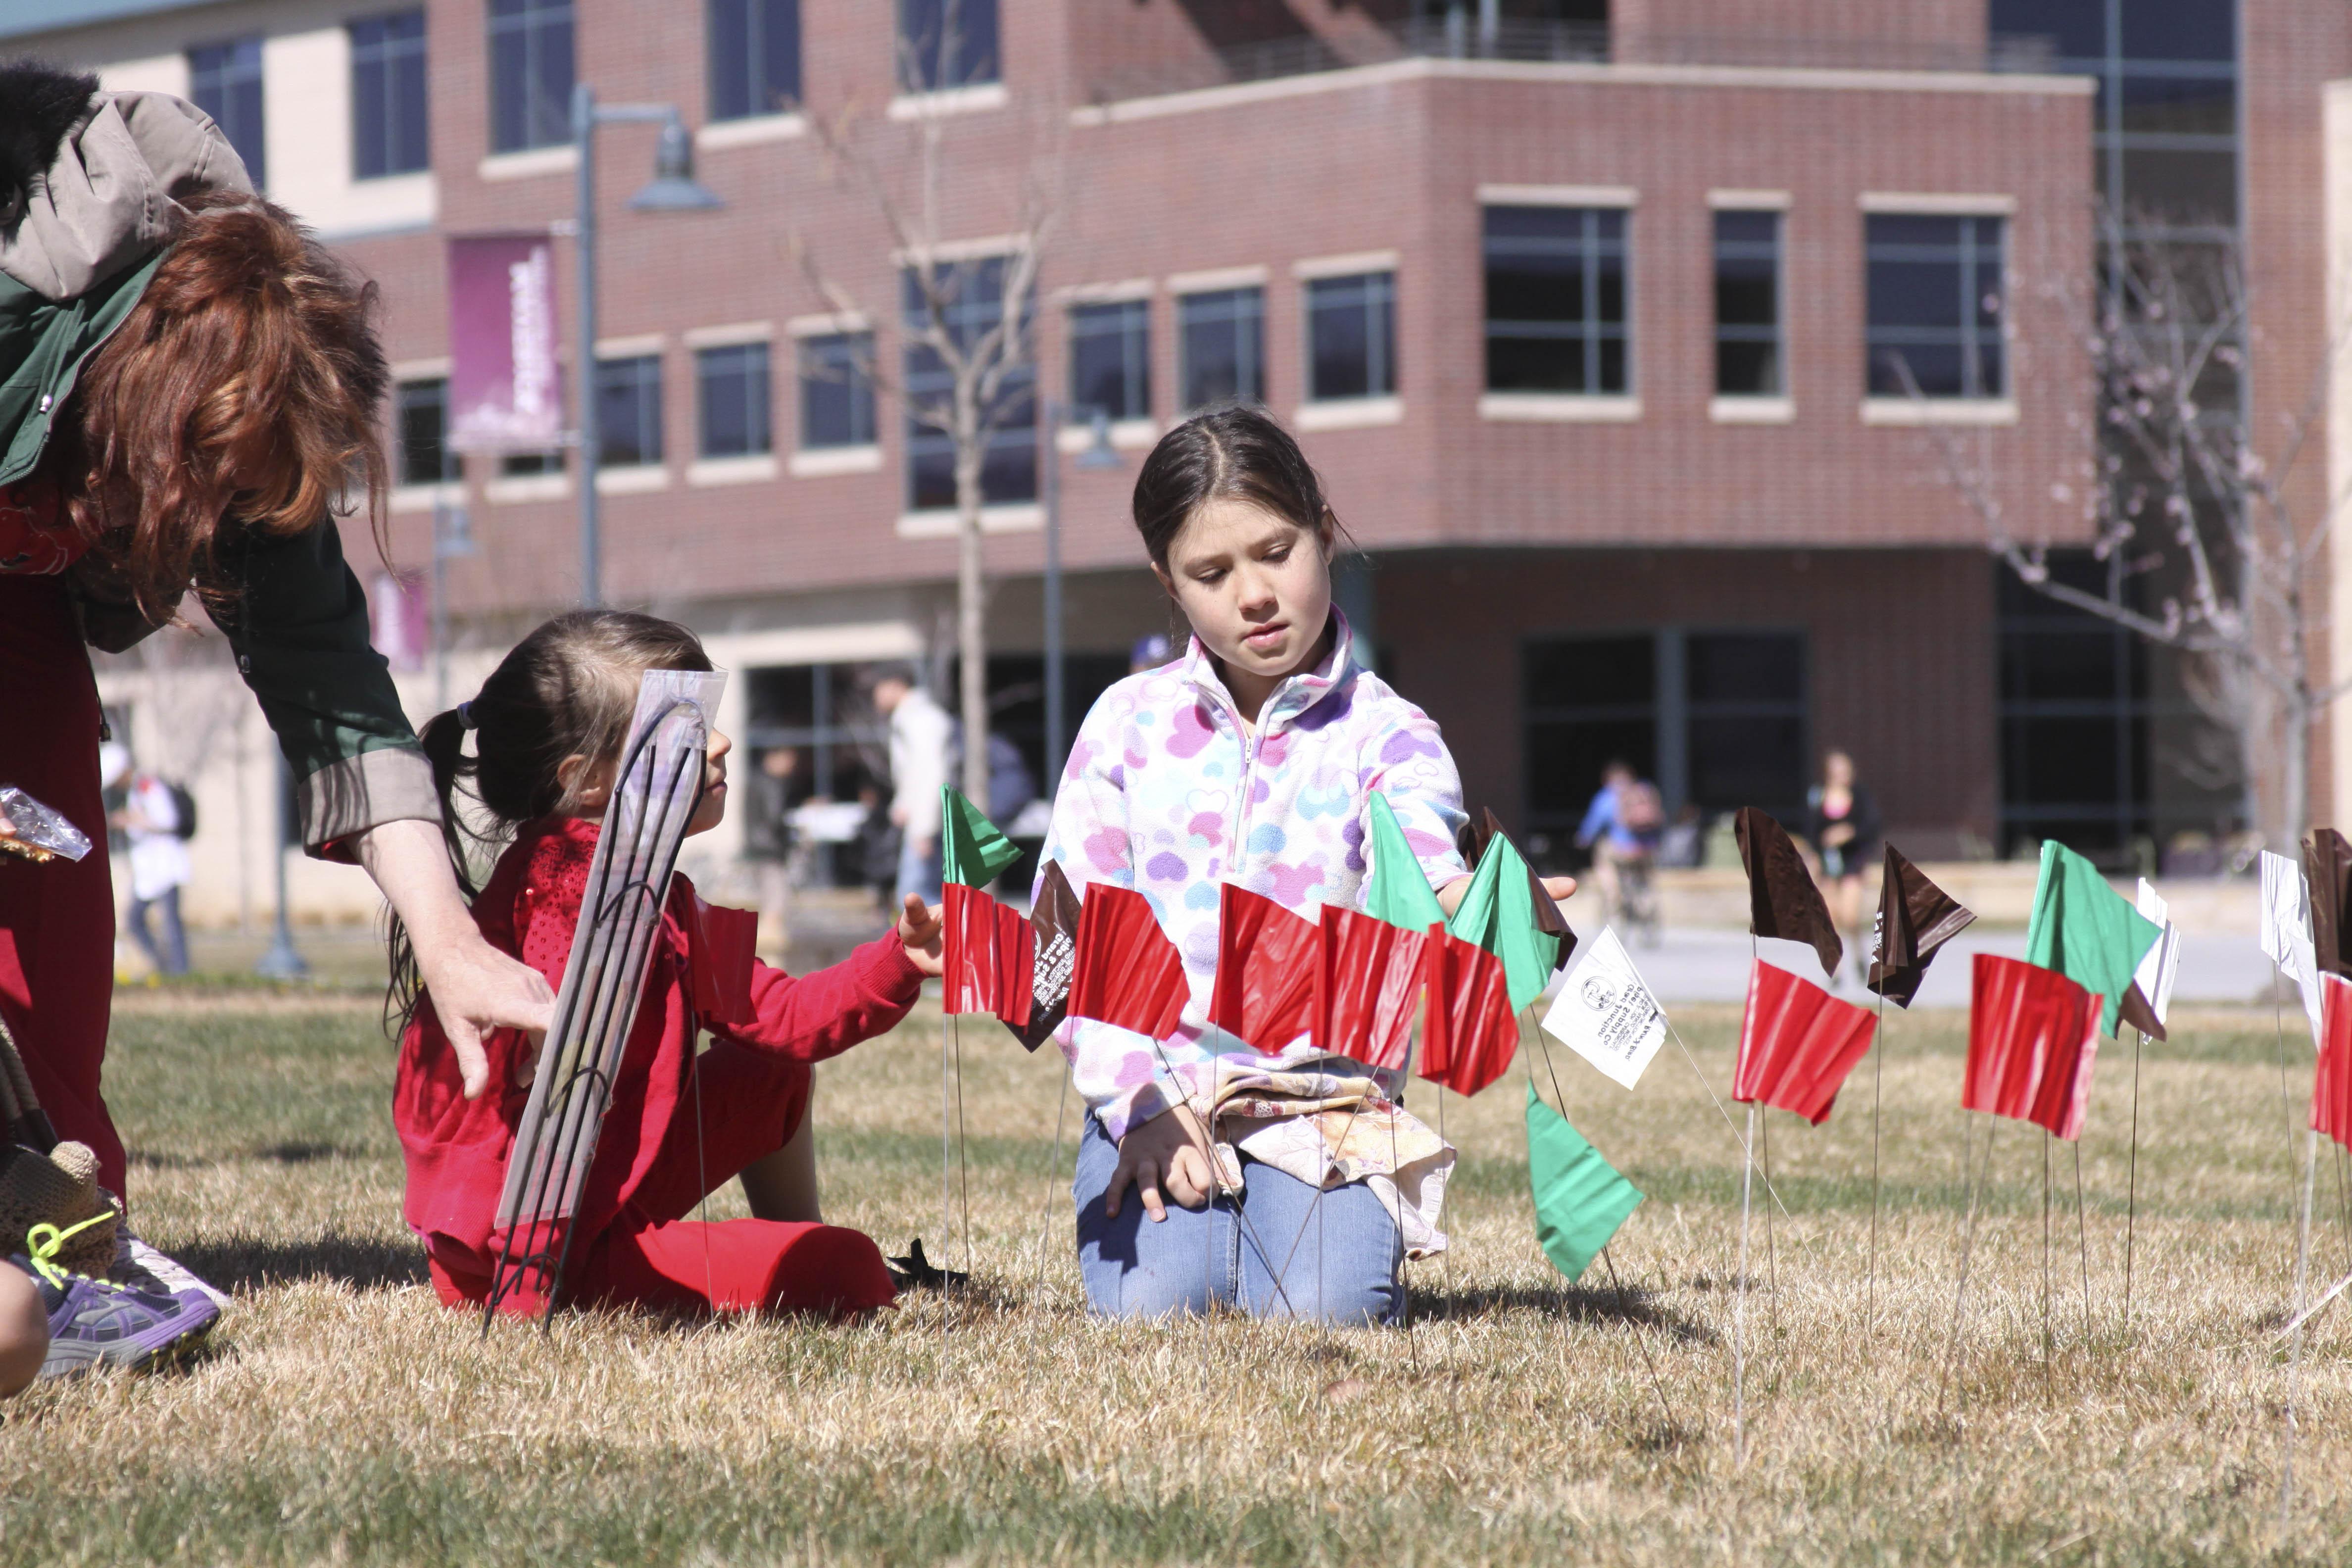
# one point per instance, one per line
(1621, 827)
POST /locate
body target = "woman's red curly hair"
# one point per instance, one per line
(243, 392)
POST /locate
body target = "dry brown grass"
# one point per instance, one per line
(348, 1416)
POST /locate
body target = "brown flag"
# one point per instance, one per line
(1914, 918)
(1548, 919)
(1054, 919)
(2327, 867)
(1783, 899)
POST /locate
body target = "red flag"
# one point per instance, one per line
(721, 954)
(1127, 973)
(1264, 991)
(2331, 1091)
(990, 952)
(1797, 1043)
(2033, 1036)
(1368, 975)
(1471, 1033)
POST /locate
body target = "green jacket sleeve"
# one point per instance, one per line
(299, 630)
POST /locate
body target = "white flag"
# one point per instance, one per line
(2161, 967)
(2286, 933)
(1605, 1014)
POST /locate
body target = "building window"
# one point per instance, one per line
(2076, 711)
(1351, 337)
(755, 57)
(1222, 334)
(1747, 304)
(1717, 718)
(521, 465)
(224, 81)
(1936, 306)
(1110, 361)
(628, 412)
(946, 44)
(974, 292)
(731, 384)
(531, 74)
(1556, 316)
(837, 390)
(426, 456)
(389, 133)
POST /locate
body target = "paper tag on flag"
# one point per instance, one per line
(2286, 933)
(1606, 1015)
(2161, 967)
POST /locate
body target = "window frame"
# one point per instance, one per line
(1379, 287)
(1132, 329)
(763, 384)
(385, 56)
(1776, 335)
(1970, 338)
(531, 21)
(857, 382)
(756, 55)
(914, 65)
(228, 75)
(920, 378)
(407, 397)
(1192, 299)
(641, 376)
(1593, 249)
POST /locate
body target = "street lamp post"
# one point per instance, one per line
(673, 189)
(1098, 454)
(283, 961)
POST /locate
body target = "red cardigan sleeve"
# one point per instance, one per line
(813, 1016)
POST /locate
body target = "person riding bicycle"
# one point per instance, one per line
(1622, 828)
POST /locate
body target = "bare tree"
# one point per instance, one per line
(966, 312)
(2181, 487)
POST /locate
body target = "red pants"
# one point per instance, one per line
(57, 921)
(652, 1256)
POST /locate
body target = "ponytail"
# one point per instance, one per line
(442, 740)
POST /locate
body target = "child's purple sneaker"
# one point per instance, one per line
(96, 1322)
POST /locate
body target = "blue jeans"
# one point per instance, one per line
(1274, 1252)
(170, 956)
(918, 872)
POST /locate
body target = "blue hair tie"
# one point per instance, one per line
(466, 714)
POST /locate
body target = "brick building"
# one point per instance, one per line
(1587, 311)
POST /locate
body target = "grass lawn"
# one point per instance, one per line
(345, 1415)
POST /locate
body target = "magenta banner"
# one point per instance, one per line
(504, 396)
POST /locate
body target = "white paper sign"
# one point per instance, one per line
(2161, 967)
(2286, 933)
(1605, 1014)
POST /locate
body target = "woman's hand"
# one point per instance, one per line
(924, 934)
(1449, 897)
(1169, 1149)
(1838, 834)
(475, 987)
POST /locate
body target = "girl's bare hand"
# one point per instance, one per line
(1169, 1149)
(924, 934)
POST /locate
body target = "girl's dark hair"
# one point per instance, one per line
(567, 689)
(1238, 452)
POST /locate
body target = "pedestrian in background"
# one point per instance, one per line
(1843, 826)
(1623, 826)
(921, 736)
(158, 823)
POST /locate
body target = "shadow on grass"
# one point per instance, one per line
(365, 1263)
(1632, 1306)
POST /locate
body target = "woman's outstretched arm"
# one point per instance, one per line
(475, 987)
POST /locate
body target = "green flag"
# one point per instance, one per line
(972, 850)
(1498, 912)
(2085, 930)
(1581, 1200)
(1400, 892)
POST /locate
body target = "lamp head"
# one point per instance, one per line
(673, 188)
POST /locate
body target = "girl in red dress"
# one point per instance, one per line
(548, 729)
